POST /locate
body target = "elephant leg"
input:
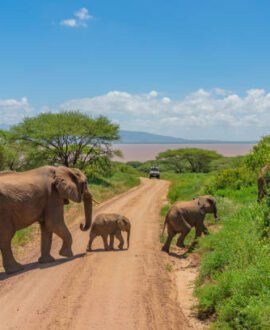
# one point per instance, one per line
(62, 231)
(46, 243)
(105, 241)
(10, 264)
(119, 236)
(111, 241)
(93, 235)
(205, 230)
(171, 234)
(185, 230)
(199, 231)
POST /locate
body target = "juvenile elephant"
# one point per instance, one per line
(40, 195)
(182, 216)
(109, 224)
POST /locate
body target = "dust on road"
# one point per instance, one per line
(100, 290)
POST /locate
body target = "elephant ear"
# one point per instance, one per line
(211, 200)
(67, 185)
(202, 203)
(122, 223)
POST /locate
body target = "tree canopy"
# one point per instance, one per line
(196, 160)
(260, 154)
(67, 138)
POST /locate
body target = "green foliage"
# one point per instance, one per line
(223, 163)
(233, 178)
(2, 158)
(234, 280)
(260, 155)
(187, 185)
(233, 287)
(134, 163)
(193, 159)
(234, 284)
(122, 179)
(67, 138)
(164, 166)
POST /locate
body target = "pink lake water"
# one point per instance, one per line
(144, 152)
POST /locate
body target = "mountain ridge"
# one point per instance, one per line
(139, 137)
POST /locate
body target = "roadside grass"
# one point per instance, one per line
(233, 286)
(234, 281)
(105, 188)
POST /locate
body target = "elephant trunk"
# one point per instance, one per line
(128, 237)
(88, 207)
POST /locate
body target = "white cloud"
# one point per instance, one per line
(13, 111)
(202, 114)
(80, 18)
(153, 94)
(69, 22)
(83, 14)
(166, 100)
(215, 114)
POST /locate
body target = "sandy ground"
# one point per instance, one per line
(129, 289)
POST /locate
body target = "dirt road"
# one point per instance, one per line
(101, 290)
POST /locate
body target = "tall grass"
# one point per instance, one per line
(105, 188)
(234, 281)
(233, 287)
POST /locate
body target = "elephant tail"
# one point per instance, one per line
(165, 223)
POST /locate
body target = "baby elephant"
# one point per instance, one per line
(184, 215)
(109, 224)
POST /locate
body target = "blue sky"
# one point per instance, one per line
(200, 68)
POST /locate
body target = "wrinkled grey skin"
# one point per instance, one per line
(182, 216)
(40, 195)
(109, 225)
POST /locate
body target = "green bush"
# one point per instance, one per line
(234, 281)
(227, 162)
(233, 178)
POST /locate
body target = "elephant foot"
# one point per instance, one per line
(121, 247)
(14, 268)
(66, 253)
(46, 259)
(89, 249)
(180, 245)
(165, 249)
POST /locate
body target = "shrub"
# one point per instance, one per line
(233, 178)
(234, 281)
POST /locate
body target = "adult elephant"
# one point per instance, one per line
(40, 195)
(182, 216)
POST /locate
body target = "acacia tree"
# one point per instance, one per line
(67, 138)
(11, 153)
(197, 160)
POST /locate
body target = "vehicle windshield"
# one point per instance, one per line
(154, 169)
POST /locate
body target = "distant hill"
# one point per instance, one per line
(135, 137)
